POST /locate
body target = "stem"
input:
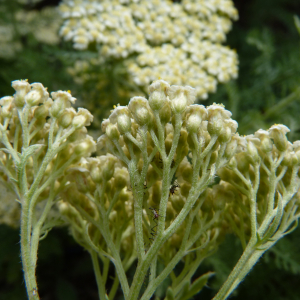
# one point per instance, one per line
(242, 265)
(28, 264)
(99, 279)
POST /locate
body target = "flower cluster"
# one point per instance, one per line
(40, 136)
(180, 42)
(145, 146)
(264, 170)
(43, 25)
(171, 179)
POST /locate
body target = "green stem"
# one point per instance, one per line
(99, 279)
(227, 287)
(28, 264)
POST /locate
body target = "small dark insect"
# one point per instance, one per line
(155, 213)
(174, 187)
(145, 186)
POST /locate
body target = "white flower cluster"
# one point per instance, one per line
(43, 25)
(179, 42)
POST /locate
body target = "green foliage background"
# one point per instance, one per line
(266, 92)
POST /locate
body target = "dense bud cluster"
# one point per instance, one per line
(171, 179)
(180, 42)
(34, 126)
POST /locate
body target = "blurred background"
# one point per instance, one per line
(267, 91)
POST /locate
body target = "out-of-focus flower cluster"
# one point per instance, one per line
(43, 25)
(179, 42)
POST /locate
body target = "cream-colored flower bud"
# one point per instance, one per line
(181, 97)
(96, 174)
(62, 100)
(232, 164)
(7, 106)
(66, 118)
(193, 122)
(139, 108)
(287, 159)
(86, 147)
(290, 159)
(108, 168)
(104, 124)
(22, 87)
(41, 112)
(266, 144)
(294, 159)
(121, 178)
(165, 113)
(158, 95)
(215, 125)
(225, 135)
(252, 151)
(82, 118)
(177, 201)
(112, 132)
(278, 134)
(124, 123)
(37, 94)
(296, 146)
(63, 207)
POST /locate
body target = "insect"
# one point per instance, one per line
(155, 213)
(174, 187)
(145, 186)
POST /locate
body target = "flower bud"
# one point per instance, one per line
(112, 132)
(22, 87)
(278, 134)
(232, 164)
(109, 167)
(225, 135)
(138, 106)
(124, 123)
(252, 151)
(62, 100)
(66, 118)
(215, 125)
(86, 147)
(230, 148)
(41, 112)
(181, 97)
(82, 118)
(37, 94)
(165, 113)
(193, 123)
(158, 95)
(121, 178)
(7, 106)
(96, 174)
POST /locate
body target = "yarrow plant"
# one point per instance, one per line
(179, 41)
(40, 138)
(155, 180)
